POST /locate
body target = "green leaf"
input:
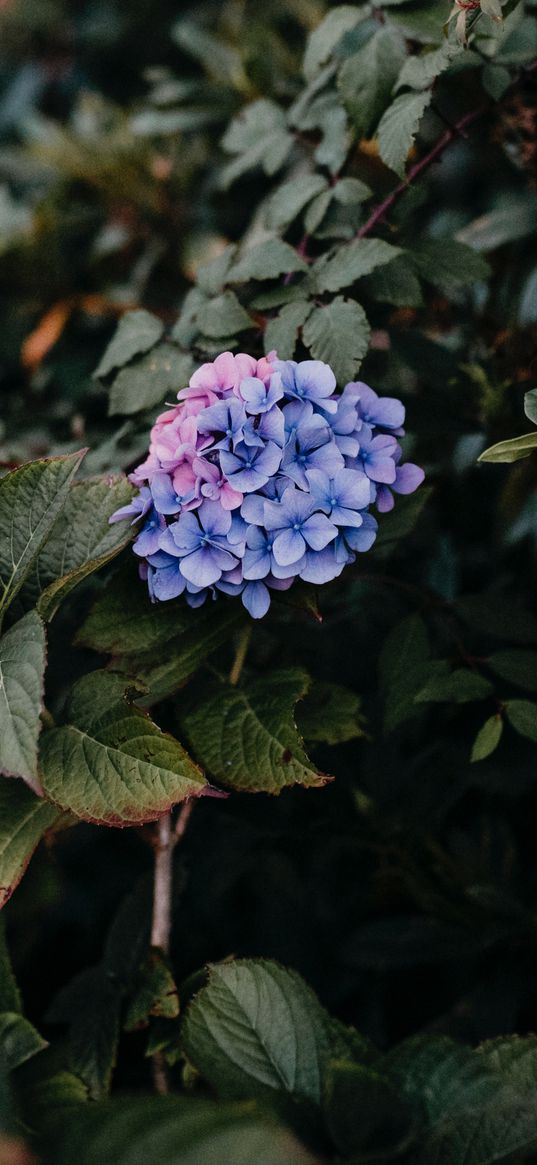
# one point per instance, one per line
(396, 283)
(145, 383)
(398, 128)
(291, 197)
(223, 315)
(31, 499)
(19, 1041)
(154, 994)
(211, 276)
(111, 764)
(419, 21)
(404, 665)
(137, 332)
(90, 1005)
(247, 737)
(10, 997)
(81, 542)
(175, 1130)
(448, 264)
(259, 137)
(367, 78)
(522, 714)
(512, 450)
(460, 687)
(517, 666)
(363, 1112)
(400, 522)
(326, 37)
(281, 332)
(22, 670)
(329, 713)
(530, 405)
(419, 71)
(514, 220)
(496, 614)
(257, 1029)
(24, 818)
(513, 1057)
(351, 261)
(487, 738)
(339, 335)
(266, 261)
(185, 329)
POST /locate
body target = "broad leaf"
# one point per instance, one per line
(516, 666)
(137, 332)
(19, 1041)
(530, 405)
(81, 542)
(487, 738)
(366, 79)
(110, 763)
(459, 687)
(404, 666)
(395, 283)
(398, 128)
(175, 1130)
(351, 261)
(291, 197)
(259, 137)
(522, 714)
(267, 261)
(329, 713)
(154, 994)
(512, 450)
(22, 669)
(24, 818)
(448, 264)
(339, 335)
(31, 499)
(282, 331)
(326, 37)
(223, 316)
(147, 382)
(363, 1112)
(256, 1028)
(419, 71)
(247, 737)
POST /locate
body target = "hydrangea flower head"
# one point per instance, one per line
(263, 474)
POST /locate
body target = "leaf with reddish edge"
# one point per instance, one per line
(24, 818)
(111, 764)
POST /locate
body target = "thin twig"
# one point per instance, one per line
(423, 164)
(243, 644)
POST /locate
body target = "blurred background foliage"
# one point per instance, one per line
(406, 891)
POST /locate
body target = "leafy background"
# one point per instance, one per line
(223, 171)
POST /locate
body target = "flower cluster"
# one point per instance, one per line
(263, 474)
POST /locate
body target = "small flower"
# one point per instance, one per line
(407, 479)
(383, 411)
(297, 526)
(310, 380)
(136, 509)
(259, 397)
(250, 467)
(377, 456)
(199, 539)
(341, 496)
(226, 418)
(310, 446)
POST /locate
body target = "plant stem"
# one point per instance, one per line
(423, 164)
(162, 885)
(241, 650)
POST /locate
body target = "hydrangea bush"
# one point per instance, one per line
(263, 474)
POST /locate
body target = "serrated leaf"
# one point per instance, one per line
(247, 737)
(111, 763)
(517, 666)
(400, 522)
(404, 665)
(19, 1041)
(281, 332)
(176, 1130)
(514, 449)
(153, 994)
(330, 713)
(223, 315)
(81, 541)
(522, 715)
(259, 137)
(145, 383)
(338, 334)
(363, 1112)
(185, 328)
(366, 79)
(530, 405)
(31, 499)
(419, 71)
(137, 332)
(22, 671)
(351, 261)
(459, 687)
(291, 197)
(266, 261)
(449, 264)
(398, 128)
(326, 37)
(514, 1057)
(487, 738)
(395, 283)
(90, 1006)
(24, 818)
(211, 276)
(257, 1029)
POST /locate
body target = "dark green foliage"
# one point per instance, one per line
(351, 977)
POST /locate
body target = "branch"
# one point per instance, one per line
(418, 168)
